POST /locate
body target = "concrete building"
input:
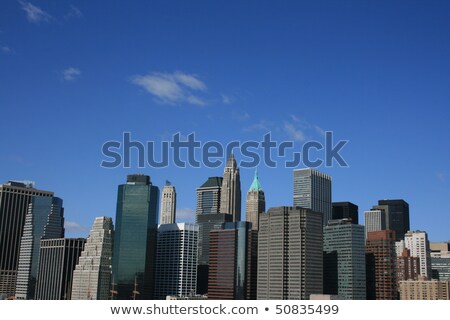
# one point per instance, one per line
(375, 220)
(408, 268)
(424, 290)
(15, 197)
(57, 261)
(230, 201)
(92, 274)
(344, 259)
(255, 203)
(135, 238)
(417, 242)
(290, 256)
(168, 207)
(381, 270)
(44, 220)
(176, 260)
(440, 260)
(312, 190)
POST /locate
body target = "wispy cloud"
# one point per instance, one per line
(172, 88)
(226, 99)
(293, 132)
(441, 176)
(6, 49)
(72, 226)
(35, 14)
(185, 215)
(74, 12)
(71, 74)
(261, 125)
(240, 116)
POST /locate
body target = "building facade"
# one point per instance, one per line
(381, 272)
(419, 246)
(290, 256)
(408, 268)
(424, 290)
(375, 220)
(168, 208)
(255, 203)
(57, 261)
(176, 260)
(230, 259)
(230, 201)
(15, 198)
(312, 190)
(135, 238)
(345, 210)
(44, 220)
(92, 274)
(344, 260)
(397, 216)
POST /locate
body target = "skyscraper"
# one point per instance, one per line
(14, 200)
(417, 242)
(255, 203)
(397, 216)
(345, 210)
(168, 208)
(312, 190)
(381, 270)
(92, 274)
(408, 268)
(440, 260)
(57, 260)
(135, 238)
(176, 260)
(44, 220)
(290, 256)
(208, 217)
(230, 260)
(375, 220)
(230, 197)
(344, 260)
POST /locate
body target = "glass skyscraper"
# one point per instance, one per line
(135, 238)
(44, 220)
(312, 190)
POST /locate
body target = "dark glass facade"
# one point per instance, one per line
(135, 238)
(345, 210)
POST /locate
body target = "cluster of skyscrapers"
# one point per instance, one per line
(315, 249)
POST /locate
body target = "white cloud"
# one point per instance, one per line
(293, 132)
(172, 88)
(34, 13)
(6, 49)
(185, 215)
(227, 99)
(71, 73)
(262, 125)
(74, 12)
(72, 226)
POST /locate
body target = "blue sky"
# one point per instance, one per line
(75, 74)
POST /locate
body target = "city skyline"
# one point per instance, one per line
(375, 74)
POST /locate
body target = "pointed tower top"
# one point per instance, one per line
(256, 186)
(231, 163)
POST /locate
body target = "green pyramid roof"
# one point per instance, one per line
(256, 186)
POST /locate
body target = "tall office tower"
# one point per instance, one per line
(424, 290)
(344, 260)
(176, 260)
(230, 197)
(408, 268)
(440, 260)
(92, 274)
(44, 220)
(381, 270)
(375, 220)
(255, 203)
(229, 259)
(312, 190)
(208, 217)
(14, 200)
(57, 260)
(168, 208)
(417, 242)
(135, 238)
(397, 216)
(290, 256)
(345, 210)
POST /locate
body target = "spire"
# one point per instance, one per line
(256, 186)
(231, 163)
